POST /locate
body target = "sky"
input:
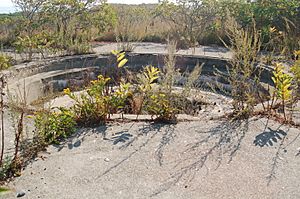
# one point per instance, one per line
(6, 6)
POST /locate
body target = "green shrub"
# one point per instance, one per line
(91, 107)
(160, 105)
(119, 97)
(155, 102)
(5, 62)
(54, 125)
(147, 78)
(283, 84)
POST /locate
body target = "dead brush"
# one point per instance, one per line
(169, 71)
(18, 109)
(243, 74)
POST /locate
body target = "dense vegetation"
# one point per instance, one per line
(73, 24)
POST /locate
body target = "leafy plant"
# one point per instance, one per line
(5, 62)
(155, 102)
(147, 78)
(5, 168)
(121, 60)
(146, 81)
(160, 105)
(295, 69)
(54, 125)
(120, 96)
(25, 44)
(9, 168)
(91, 107)
(283, 83)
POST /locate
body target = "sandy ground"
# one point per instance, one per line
(198, 159)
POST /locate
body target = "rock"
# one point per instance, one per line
(20, 194)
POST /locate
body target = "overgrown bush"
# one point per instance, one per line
(40, 43)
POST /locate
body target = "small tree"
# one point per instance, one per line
(188, 18)
(30, 21)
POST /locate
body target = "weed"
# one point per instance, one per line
(147, 78)
(160, 105)
(169, 71)
(91, 107)
(283, 83)
(54, 125)
(5, 62)
(120, 96)
(295, 69)
(243, 74)
(5, 169)
(191, 79)
(156, 103)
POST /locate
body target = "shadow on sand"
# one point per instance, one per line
(224, 139)
(269, 137)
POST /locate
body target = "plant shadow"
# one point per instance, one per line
(150, 130)
(224, 139)
(77, 138)
(121, 137)
(269, 137)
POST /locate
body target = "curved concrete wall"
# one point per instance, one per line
(38, 74)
